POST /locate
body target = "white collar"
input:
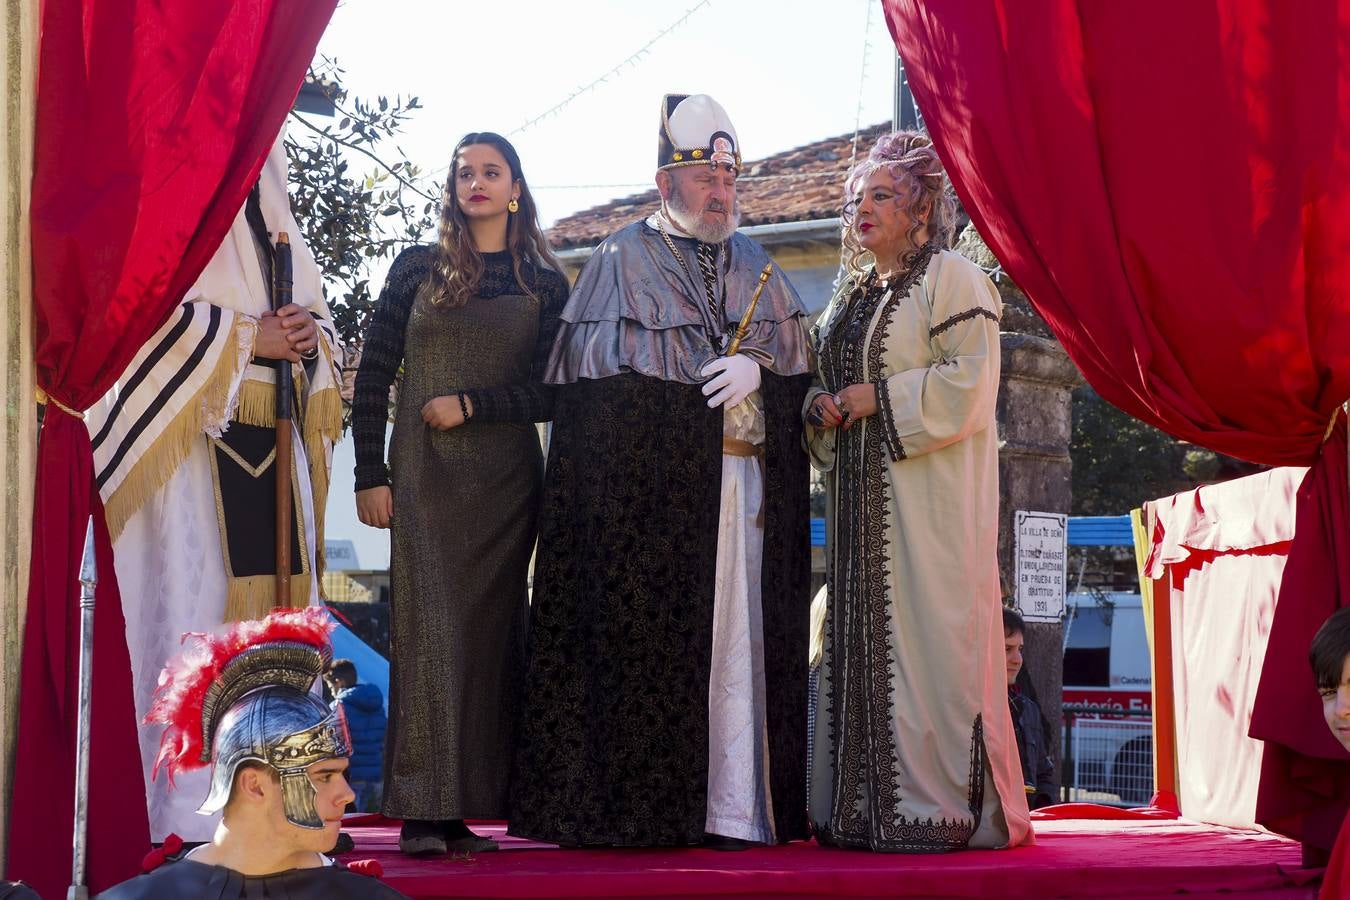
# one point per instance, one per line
(661, 220)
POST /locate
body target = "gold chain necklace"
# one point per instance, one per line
(679, 257)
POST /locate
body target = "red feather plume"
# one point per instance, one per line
(187, 677)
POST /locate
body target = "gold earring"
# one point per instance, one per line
(513, 206)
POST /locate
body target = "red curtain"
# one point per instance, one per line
(1170, 184)
(153, 121)
(1305, 786)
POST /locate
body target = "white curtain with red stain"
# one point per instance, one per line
(1223, 548)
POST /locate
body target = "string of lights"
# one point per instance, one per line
(862, 78)
(842, 272)
(630, 62)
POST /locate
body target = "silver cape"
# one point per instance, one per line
(634, 308)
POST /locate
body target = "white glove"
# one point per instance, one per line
(737, 377)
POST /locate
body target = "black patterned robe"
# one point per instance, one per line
(614, 737)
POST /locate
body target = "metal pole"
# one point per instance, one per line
(88, 580)
(1069, 777)
(897, 113)
(906, 116)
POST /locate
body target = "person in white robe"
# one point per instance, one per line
(181, 543)
(914, 748)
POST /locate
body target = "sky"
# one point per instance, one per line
(788, 72)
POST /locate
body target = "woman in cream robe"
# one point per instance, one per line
(915, 750)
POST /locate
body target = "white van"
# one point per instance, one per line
(1108, 697)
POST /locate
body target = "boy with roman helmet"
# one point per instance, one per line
(241, 702)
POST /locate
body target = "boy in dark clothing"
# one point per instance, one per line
(1038, 772)
(363, 705)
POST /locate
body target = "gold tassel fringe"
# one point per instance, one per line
(323, 411)
(323, 423)
(257, 404)
(158, 464)
(254, 597)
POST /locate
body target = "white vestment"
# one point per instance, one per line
(739, 801)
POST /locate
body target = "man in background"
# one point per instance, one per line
(363, 706)
(1038, 771)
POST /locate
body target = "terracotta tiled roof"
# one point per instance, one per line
(794, 186)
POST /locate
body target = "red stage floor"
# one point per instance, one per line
(1072, 858)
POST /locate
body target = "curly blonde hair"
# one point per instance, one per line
(920, 183)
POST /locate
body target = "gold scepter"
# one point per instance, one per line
(744, 326)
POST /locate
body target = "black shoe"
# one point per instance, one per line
(722, 842)
(472, 844)
(344, 844)
(422, 838)
(459, 839)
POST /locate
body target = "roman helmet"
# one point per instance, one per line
(245, 695)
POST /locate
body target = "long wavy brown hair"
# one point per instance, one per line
(920, 183)
(457, 265)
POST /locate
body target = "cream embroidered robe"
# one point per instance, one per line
(153, 450)
(914, 747)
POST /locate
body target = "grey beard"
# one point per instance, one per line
(695, 227)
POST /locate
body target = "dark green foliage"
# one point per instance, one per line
(351, 220)
(1118, 461)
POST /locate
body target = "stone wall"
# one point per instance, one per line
(18, 436)
(1035, 423)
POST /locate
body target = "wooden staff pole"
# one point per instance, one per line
(281, 296)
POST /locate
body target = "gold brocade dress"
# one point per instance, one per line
(465, 520)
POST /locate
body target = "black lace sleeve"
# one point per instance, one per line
(532, 401)
(381, 356)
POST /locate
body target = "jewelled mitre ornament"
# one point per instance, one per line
(695, 131)
(244, 695)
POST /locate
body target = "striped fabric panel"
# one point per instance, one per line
(168, 373)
